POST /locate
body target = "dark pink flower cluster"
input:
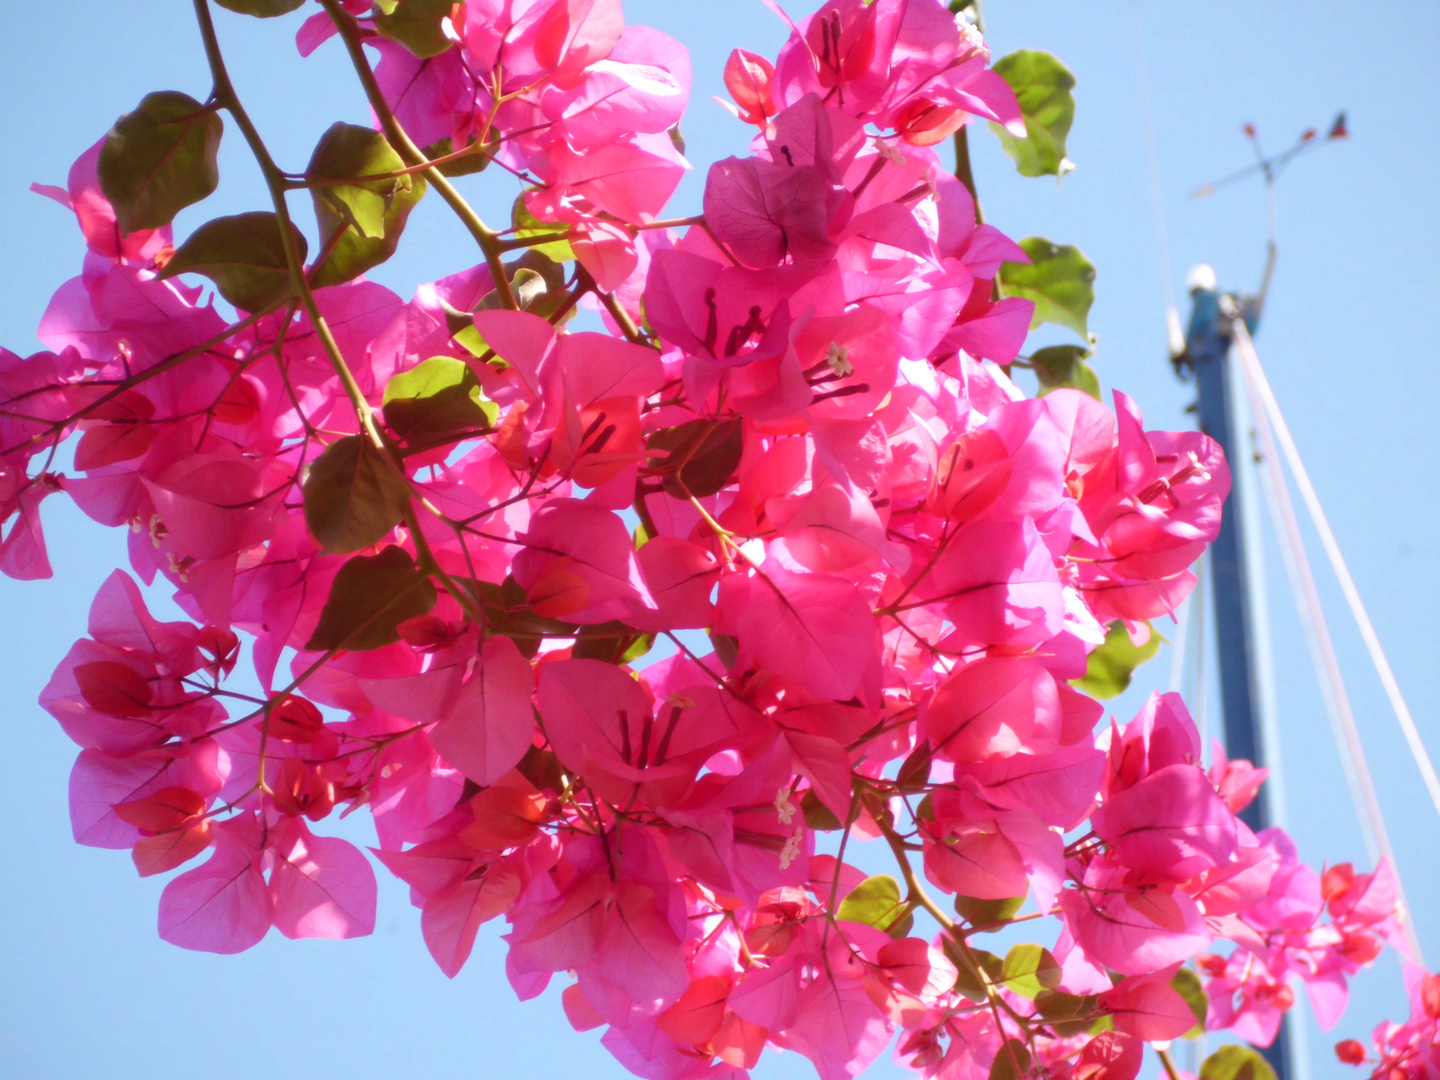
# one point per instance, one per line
(1282, 936)
(1408, 1051)
(794, 457)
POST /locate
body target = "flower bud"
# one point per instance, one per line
(1430, 996)
(295, 720)
(1336, 881)
(1360, 948)
(748, 77)
(1350, 1052)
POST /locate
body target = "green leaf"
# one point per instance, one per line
(437, 401)
(968, 982)
(991, 913)
(726, 646)
(543, 769)
(1187, 984)
(243, 255)
(710, 451)
(1029, 969)
(360, 222)
(160, 159)
(1060, 281)
(1043, 87)
(875, 901)
(1110, 668)
(352, 496)
(1067, 1014)
(1012, 1056)
(1058, 366)
(818, 816)
(415, 24)
(527, 226)
(1236, 1063)
(528, 286)
(261, 9)
(371, 596)
(461, 166)
(612, 642)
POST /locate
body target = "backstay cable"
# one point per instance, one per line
(1251, 361)
(1322, 651)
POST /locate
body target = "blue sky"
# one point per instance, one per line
(91, 991)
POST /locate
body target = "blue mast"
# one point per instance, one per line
(1207, 357)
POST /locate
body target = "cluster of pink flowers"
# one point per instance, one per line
(1409, 1051)
(1281, 935)
(796, 444)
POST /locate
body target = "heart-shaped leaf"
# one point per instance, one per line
(1058, 366)
(159, 159)
(436, 402)
(243, 255)
(415, 24)
(704, 455)
(1042, 86)
(1030, 969)
(1109, 669)
(353, 496)
(360, 220)
(370, 597)
(1236, 1062)
(261, 9)
(1060, 281)
(876, 901)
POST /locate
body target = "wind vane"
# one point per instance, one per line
(1270, 168)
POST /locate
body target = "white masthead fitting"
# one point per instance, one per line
(1201, 277)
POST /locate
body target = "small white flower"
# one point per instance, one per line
(837, 356)
(791, 851)
(784, 807)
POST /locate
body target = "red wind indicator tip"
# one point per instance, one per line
(1338, 130)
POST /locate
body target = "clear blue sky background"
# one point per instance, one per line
(90, 991)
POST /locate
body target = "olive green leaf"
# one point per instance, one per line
(1187, 984)
(261, 9)
(160, 159)
(528, 227)
(1236, 1062)
(353, 496)
(415, 24)
(1012, 1062)
(370, 597)
(243, 255)
(360, 221)
(435, 402)
(991, 913)
(1058, 366)
(710, 451)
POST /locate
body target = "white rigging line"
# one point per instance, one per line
(1246, 350)
(1322, 652)
(1178, 648)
